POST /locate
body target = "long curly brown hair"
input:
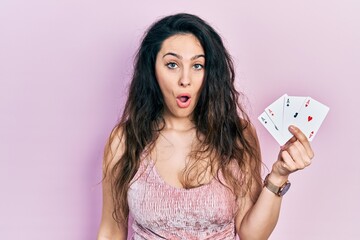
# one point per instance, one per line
(224, 128)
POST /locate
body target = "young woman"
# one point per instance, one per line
(184, 160)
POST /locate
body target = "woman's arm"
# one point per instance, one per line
(109, 228)
(258, 220)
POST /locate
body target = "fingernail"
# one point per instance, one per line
(292, 128)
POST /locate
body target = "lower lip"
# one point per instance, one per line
(183, 104)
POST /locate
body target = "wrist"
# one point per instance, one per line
(278, 185)
(277, 179)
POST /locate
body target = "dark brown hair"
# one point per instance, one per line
(221, 123)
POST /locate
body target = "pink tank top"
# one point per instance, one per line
(161, 211)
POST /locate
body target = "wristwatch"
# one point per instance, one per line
(279, 191)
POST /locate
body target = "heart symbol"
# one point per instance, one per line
(309, 118)
(311, 134)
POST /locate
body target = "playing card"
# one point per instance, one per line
(303, 112)
(292, 106)
(270, 126)
(275, 112)
(311, 115)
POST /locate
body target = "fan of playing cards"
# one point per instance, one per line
(303, 112)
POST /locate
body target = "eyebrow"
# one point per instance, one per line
(180, 57)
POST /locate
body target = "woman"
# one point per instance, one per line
(184, 161)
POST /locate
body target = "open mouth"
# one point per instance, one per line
(183, 100)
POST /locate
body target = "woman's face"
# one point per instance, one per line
(180, 71)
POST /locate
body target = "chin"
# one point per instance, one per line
(182, 113)
(186, 114)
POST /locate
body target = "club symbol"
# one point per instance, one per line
(296, 114)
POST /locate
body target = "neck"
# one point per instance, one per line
(178, 124)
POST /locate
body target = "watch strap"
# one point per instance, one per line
(276, 189)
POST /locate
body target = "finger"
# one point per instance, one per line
(287, 144)
(288, 162)
(296, 155)
(300, 136)
(305, 157)
(299, 155)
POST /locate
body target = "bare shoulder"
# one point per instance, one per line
(250, 163)
(253, 162)
(114, 147)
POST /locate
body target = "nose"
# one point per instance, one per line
(185, 79)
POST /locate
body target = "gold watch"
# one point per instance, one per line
(279, 191)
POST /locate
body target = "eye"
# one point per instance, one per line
(171, 65)
(198, 66)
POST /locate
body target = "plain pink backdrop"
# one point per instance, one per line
(64, 71)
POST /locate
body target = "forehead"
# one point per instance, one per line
(184, 44)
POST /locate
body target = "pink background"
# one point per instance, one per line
(64, 69)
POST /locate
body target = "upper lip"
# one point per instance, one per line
(183, 95)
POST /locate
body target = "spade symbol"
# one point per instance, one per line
(296, 115)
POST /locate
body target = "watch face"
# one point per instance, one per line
(285, 189)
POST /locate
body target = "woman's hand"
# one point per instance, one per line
(295, 155)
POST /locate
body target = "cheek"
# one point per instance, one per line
(165, 89)
(165, 83)
(160, 78)
(199, 83)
